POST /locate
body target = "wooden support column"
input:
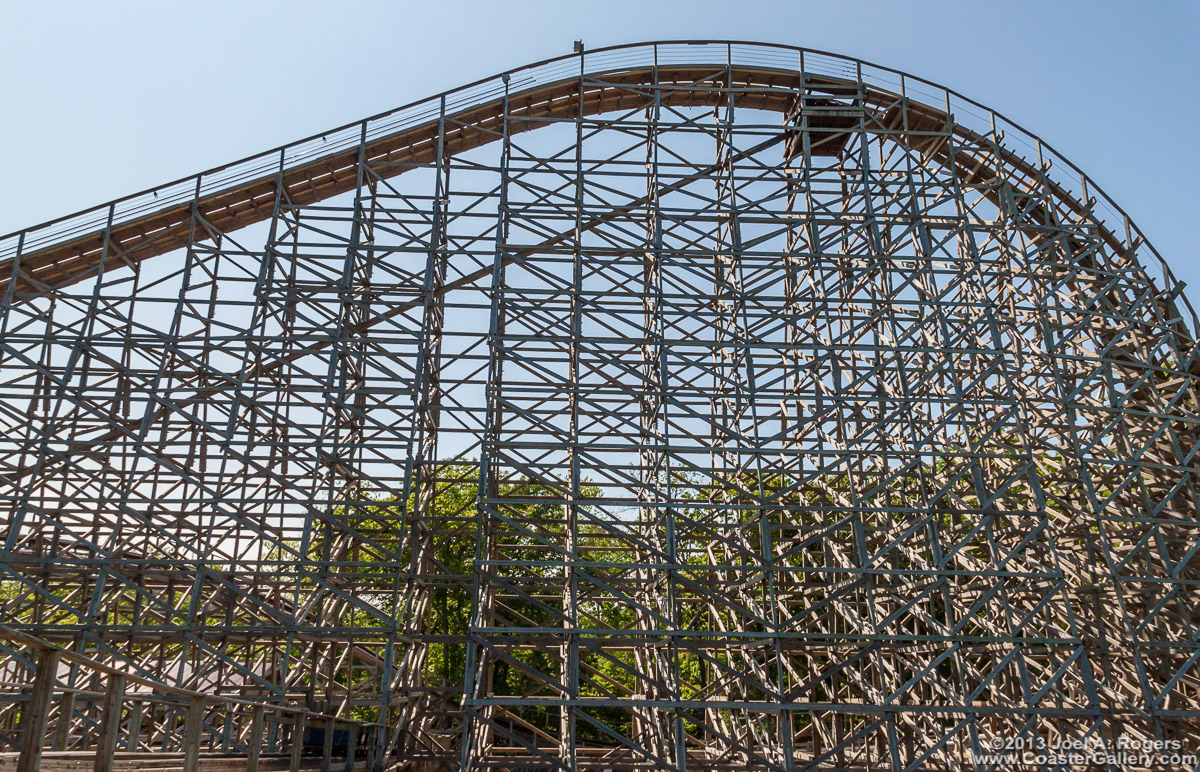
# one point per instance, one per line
(135, 726)
(351, 747)
(255, 741)
(297, 741)
(192, 730)
(62, 731)
(33, 718)
(110, 724)
(327, 748)
(371, 751)
(382, 750)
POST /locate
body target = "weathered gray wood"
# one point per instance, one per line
(327, 746)
(370, 742)
(135, 725)
(192, 731)
(351, 748)
(110, 724)
(33, 717)
(62, 731)
(297, 741)
(948, 391)
(255, 740)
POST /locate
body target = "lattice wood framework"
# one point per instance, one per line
(667, 406)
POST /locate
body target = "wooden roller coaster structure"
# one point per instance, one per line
(676, 405)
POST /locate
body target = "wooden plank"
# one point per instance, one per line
(327, 746)
(62, 731)
(110, 724)
(135, 726)
(33, 718)
(352, 748)
(297, 741)
(255, 740)
(193, 729)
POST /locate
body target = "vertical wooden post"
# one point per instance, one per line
(254, 749)
(227, 730)
(378, 749)
(170, 719)
(274, 733)
(327, 748)
(351, 747)
(369, 742)
(192, 729)
(297, 741)
(33, 718)
(90, 709)
(62, 730)
(110, 724)
(135, 726)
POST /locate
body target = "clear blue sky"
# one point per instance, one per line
(104, 99)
